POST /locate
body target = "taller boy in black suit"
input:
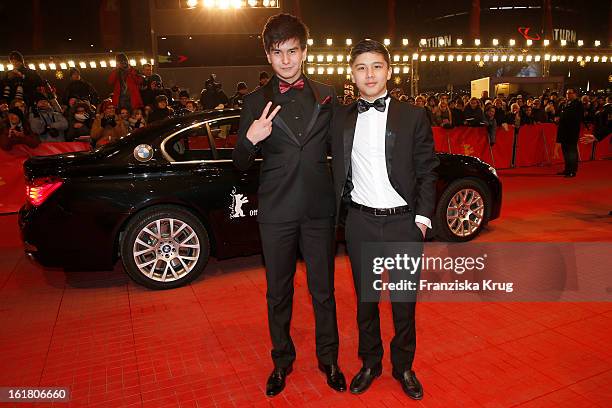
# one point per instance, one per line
(383, 165)
(296, 194)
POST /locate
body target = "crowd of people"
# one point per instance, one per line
(31, 112)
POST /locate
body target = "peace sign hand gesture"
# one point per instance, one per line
(261, 128)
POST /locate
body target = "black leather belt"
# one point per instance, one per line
(381, 212)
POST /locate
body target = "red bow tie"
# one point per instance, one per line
(285, 86)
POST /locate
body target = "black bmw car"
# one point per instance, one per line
(167, 197)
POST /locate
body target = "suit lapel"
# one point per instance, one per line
(391, 131)
(350, 121)
(268, 92)
(315, 110)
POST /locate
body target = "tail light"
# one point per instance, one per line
(38, 190)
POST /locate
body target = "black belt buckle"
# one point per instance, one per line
(381, 212)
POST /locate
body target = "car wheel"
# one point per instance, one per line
(462, 210)
(165, 247)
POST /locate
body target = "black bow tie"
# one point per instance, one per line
(379, 104)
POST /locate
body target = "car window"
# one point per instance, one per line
(225, 134)
(191, 144)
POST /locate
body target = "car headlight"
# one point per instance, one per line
(492, 170)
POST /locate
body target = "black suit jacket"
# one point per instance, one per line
(295, 179)
(569, 122)
(409, 152)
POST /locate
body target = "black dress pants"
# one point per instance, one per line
(315, 239)
(362, 227)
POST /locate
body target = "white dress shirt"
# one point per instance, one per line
(371, 184)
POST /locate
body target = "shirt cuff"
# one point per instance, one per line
(423, 220)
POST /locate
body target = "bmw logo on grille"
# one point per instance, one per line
(143, 152)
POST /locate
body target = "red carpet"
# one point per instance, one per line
(116, 344)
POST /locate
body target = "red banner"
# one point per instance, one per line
(12, 183)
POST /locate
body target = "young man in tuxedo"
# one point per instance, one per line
(287, 120)
(383, 166)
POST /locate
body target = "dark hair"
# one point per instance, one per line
(367, 45)
(74, 70)
(264, 74)
(283, 27)
(15, 55)
(241, 85)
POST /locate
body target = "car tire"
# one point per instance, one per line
(462, 210)
(165, 247)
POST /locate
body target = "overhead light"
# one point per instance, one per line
(441, 57)
(477, 57)
(405, 70)
(320, 58)
(530, 58)
(396, 70)
(547, 57)
(520, 58)
(143, 61)
(546, 43)
(495, 58)
(92, 64)
(588, 58)
(309, 41)
(82, 64)
(459, 41)
(553, 58)
(31, 66)
(396, 58)
(459, 58)
(538, 58)
(580, 43)
(495, 42)
(329, 41)
(9, 67)
(432, 58)
(405, 58)
(477, 42)
(597, 43)
(209, 3)
(423, 57)
(63, 65)
(441, 42)
(596, 58)
(562, 58)
(451, 57)
(71, 64)
(423, 42)
(330, 58)
(563, 43)
(330, 70)
(512, 58)
(404, 41)
(1, 67)
(253, 3)
(529, 43)
(133, 62)
(320, 70)
(42, 66)
(512, 42)
(570, 58)
(468, 57)
(340, 71)
(415, 56)
(504, 58)
(192, 3)
(310, 58)
(387, 42)
(604, 59)
(487, 57)
(52, 66)
(112, 63)
(103, 64)
(349, 41)
(311, 70)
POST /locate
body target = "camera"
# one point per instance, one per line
(106, 121)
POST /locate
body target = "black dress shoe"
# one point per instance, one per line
(335, 378)
(410, 384)
(276, 381)
(570, 175)
(364, 378)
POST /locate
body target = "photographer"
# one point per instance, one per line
(156, 88)
(21, 82)
(80, 89)
(108, 126)
(212, 96)
(161, 110)
(16, 130)
(48, 124)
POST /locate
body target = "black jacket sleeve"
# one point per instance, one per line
(425, 162)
